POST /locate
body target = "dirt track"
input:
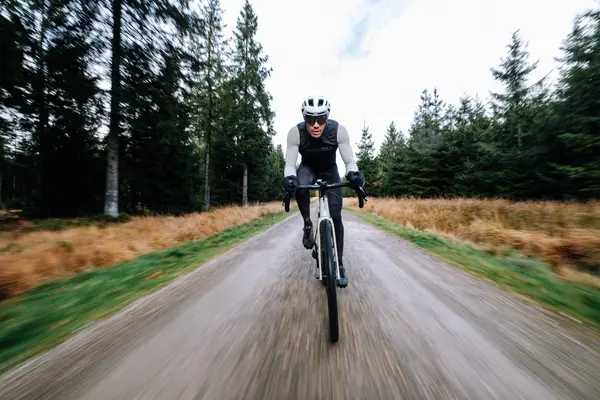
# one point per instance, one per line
(251, 324)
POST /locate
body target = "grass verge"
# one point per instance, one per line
(565, 235)
(28, 259)
(527, 276)
(49, 314)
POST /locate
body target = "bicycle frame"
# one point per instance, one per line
(324, 215)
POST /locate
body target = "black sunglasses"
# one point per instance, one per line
(311, 119)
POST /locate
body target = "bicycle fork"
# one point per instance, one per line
(318, 245)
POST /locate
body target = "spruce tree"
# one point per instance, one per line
(577, 160)
(252, 127)
(146, 25)
(516, 159)
(210, 51)
(421, 168)
(365, 160)
(389, 160)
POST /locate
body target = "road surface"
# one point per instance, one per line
(251, 324)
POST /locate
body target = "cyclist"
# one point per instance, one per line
(316, 139)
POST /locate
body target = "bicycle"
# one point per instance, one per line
(325, 247)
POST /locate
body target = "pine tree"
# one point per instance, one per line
(421, 169)
(513, 73)
(576, 160)
(54, 105)
(12, 54)
(461, 158)
(391, 139)
(516, 161)
(210, 52)
(147, 24)
(69, 170)
(388, 158)
(366, 160)
(253, 125)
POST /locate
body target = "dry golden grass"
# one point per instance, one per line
(27, 259)
(566, 235)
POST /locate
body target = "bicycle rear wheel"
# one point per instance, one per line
(330, 287)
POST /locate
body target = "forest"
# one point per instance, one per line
(534, 140)
(115, 106)
(187, 124)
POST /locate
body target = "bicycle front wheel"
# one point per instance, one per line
(330, 287)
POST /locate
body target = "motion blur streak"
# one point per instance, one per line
(252, 325)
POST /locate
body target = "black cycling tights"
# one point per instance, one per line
(308, 176)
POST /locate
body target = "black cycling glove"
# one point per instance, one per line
(289, 183)
(356, 178)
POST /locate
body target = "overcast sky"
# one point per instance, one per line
(373, 58)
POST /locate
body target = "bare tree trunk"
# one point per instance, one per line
(245, 187)
(111, 195)
(206, 180)
(43, 112)
(209, 125)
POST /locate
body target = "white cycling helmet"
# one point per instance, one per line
(316, 106)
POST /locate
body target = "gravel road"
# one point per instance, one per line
(251, 324)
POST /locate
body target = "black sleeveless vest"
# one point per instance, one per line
(318, 153)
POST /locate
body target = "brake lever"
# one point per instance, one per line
(362, 196)
(286, 201)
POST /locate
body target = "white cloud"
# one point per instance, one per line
(404, 46)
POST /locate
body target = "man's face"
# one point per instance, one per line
(315, 125)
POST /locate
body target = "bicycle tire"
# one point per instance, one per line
(331, 287)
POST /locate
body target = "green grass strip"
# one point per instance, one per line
(49, 314)
(527, 276)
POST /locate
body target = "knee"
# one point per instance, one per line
(335, 206)
(336, 213)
